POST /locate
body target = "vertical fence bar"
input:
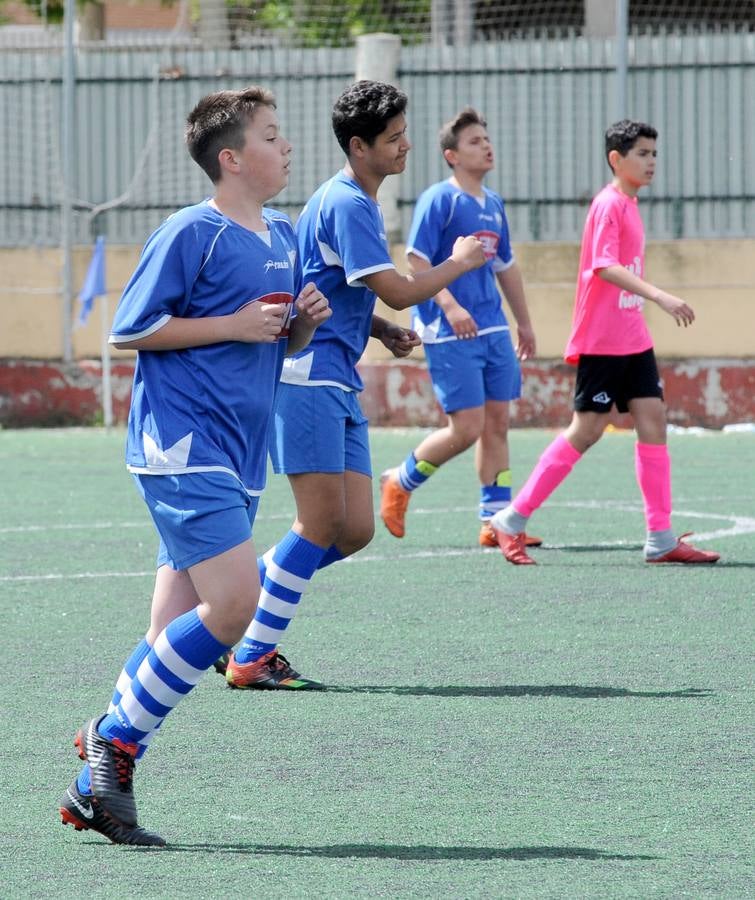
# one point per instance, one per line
(622, 57)
(67, 155)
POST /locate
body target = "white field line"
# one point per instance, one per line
(739, 525)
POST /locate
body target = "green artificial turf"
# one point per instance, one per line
(582, 728)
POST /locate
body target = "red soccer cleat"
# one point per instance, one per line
(513, 548)
(686, 554)
(488, 538)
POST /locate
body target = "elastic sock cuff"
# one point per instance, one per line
(656, 450)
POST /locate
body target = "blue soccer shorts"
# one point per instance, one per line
(467, 373)
(319, 429)
(198, 515)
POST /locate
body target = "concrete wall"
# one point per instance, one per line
(709, 368)
(716, 277)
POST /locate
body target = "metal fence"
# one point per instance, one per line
(547, 100)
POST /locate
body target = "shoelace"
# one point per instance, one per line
(124, 769)
(279, 663)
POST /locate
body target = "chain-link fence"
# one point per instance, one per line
(544, 73)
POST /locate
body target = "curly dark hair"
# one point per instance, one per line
(364, 109)
(623, 135)
(218, 121)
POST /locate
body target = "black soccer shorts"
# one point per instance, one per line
(603, 381)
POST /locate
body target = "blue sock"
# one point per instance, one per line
(179, 658)
(332, 555)
(84, 781)
(124, 680)
(293, 562)
(413, 472)
(496, 496)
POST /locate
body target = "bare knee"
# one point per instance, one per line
(230, 618)
(465, 430)
(356, 537)
(585, 430)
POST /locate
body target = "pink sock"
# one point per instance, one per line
(653, 468)
(555, 463)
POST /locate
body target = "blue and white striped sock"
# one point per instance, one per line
(289, 566)
(413, 472)
(496, 496)
(179, 658)
(130, 667)
(332, 555)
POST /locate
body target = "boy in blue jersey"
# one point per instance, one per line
(470, 355)
(214, 305)
(320, 437)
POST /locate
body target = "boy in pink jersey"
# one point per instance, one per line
(613, 351)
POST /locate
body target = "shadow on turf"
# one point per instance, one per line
(583, 692)
(417, 852)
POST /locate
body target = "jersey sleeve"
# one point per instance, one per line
(428, 222)
(357, 235)
(160, 288)
(605, 234)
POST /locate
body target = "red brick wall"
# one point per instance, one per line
(708, 393)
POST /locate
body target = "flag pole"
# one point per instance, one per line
(107, 394)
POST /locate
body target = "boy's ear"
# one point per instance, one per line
(450, 157)
(613, 159)
(227, 160)
(356, 146)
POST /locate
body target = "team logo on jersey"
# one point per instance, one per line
(276, 264)
(627, 300)
(489, 241)
(288, 300)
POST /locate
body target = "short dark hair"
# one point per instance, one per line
(449, 133)
(623, 135)
(218, 121)
(364, 109)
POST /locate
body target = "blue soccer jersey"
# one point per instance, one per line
(206, 409)
(443, 213)
(341, 238)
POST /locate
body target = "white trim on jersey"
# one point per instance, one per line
(354, 280)
(500, 266)
(125, 338)
(454, 201)
(427, 333)
(418, 253)
(212, 245)
(296, 370)
(189, 470)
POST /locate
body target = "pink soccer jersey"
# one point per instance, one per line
(607, 320)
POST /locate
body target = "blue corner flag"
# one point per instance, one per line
(94, 283)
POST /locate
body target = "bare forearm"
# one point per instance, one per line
(628, 281)
(299, 336)
(444, 298)
(178, 334)
(404, 291)
(378, 327)
(512, 286)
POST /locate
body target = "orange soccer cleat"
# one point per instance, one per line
(513, 548)
(686, 554)
(488, 538)
(393, 503)
(268, 673)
